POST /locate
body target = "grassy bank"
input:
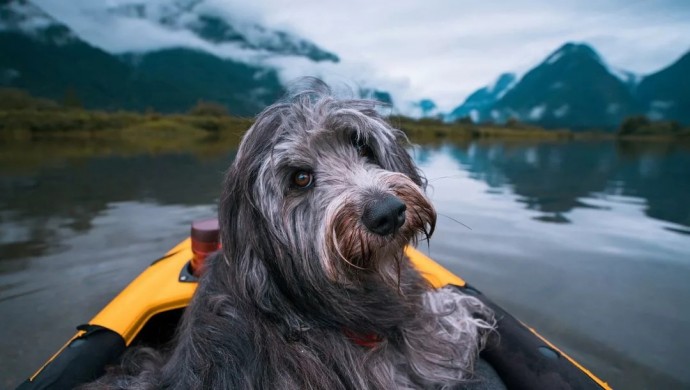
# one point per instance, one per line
(206, 129)
(429, 129)
(23, 117)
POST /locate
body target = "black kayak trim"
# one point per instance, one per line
(82, 360)
(523, 360)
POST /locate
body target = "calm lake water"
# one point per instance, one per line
(589, 242)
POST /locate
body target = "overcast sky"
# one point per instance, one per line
(441, 50)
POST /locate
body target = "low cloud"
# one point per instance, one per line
(415, 50)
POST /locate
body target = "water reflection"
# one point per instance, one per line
(570, 238)
(37, 205)
(555, 178)
(552, 178)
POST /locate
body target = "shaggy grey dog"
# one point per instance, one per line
(312, 289)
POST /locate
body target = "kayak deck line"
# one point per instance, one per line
(595, 378)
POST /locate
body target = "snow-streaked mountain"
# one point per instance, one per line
(572, 87)
(478, 104)
(215, 27)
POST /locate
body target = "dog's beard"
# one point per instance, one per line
(354, 253)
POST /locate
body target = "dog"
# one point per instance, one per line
(312, 289)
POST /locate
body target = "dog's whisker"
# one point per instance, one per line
(432, 228)
(445, 177)
(363, 247)
(423, 224)
(352, 264)
(455, 220)
(336, 244)
(398, 269)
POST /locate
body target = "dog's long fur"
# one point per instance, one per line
(300, 278)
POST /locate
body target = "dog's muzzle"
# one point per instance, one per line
(367, 228)
(384, 215)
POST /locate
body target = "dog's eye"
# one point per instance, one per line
(363, 149)
(303, 179)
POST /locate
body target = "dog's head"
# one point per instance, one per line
(324, 187)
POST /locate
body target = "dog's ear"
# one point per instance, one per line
(397, 159)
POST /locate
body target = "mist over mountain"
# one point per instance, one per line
(45, 57)
(210, 25)
(575, 88)
(177, 52)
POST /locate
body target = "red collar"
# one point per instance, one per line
(365, 340)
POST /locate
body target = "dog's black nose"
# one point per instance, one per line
(384, 215)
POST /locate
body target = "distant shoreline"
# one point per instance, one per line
(23, 116)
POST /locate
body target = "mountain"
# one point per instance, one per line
(571, 88)
(203, 20)
(374, 94)
(46, 58)
(173, 80)
(666, 93)
(574, 88)
(426, 108)
(480, 102)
